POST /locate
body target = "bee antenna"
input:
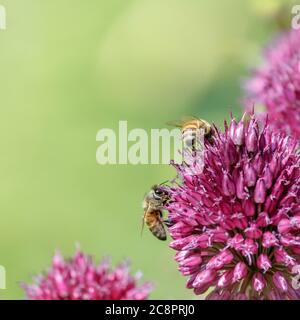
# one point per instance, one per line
(173, 180)
(142, 229)
(163, 183)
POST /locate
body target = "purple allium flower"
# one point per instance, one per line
(236, 225)
(81, 279)
(276, 84)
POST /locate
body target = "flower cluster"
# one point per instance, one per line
(80, 279)
(276, 84)
(236, 224)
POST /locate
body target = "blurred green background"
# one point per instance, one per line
(69, 68)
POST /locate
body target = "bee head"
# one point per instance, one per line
(159, 193)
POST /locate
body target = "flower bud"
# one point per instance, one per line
(239, 272)
(280, 282)
(258, 282)
(260, 191)
(263, 262)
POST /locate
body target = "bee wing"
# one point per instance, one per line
(189, 118)
(143, 225)
(175, 123)
(143, 221)
(246, 118)
(180, 123)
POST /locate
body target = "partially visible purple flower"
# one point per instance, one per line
(236, 224)
(79, 278)
(276, 84)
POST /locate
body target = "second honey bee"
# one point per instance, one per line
(190, 127)
(153, 204)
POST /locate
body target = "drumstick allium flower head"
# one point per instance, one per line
(79, 278)
(276, 84)
(236, 224)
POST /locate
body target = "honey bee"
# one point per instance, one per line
(153, 204)
(189, 128)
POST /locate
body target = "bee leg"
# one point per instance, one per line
(168, 222)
